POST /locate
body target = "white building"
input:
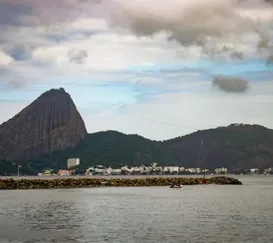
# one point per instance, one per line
(194, 170)
(254, 171)
(171, 169)
(64, 173)
(125, 169)
(101, 171)
(154, 165)
(116, 171)
(198, 170)
(181, 169)
(72, 162)
(268, 170)
(191, 170)
(221, 170)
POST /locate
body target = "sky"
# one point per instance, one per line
(157, 68)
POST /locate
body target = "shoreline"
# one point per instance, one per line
(58, 183)
(51, 177)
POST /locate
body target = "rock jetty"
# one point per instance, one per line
(9, 184)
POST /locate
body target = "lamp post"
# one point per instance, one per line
(18, 168)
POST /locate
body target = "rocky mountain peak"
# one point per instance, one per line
(50, 123)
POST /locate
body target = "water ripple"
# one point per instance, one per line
(153, 214)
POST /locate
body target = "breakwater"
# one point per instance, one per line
(9, 184)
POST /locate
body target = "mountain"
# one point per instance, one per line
(50, 130)
(50, 123)
(108, 148)
(237, 147)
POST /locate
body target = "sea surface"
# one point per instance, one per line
(202, 213)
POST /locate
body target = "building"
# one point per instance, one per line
(198, 170)
(125, 169)
(171, 169)
(254, 171)
(181, 169)
(46, 172)
(98, 170)
(221, 170)
(268, 171)
(89, 171)
(205, 171)
(191, 170)
(72, 163)
(64, 173)
(116, 172)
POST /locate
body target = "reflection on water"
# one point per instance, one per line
(194, 214)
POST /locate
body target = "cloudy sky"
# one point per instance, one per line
(159, 68)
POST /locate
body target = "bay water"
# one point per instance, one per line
(202, 213)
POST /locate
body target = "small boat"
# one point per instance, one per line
(176, 186)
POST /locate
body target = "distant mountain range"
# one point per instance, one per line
(50, 130)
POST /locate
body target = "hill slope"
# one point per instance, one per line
(109, 148)
(48, 124)
(235, 147)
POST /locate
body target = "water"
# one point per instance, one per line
(208, 213)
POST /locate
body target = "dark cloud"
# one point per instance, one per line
(195, 23)
(33, 12)
(19, 52)
(77, 56)
(11, 12)
(269, 1)
(230, 84)
(189, 23)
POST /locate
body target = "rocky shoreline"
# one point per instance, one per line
(11, 184)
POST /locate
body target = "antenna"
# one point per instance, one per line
(201, 149)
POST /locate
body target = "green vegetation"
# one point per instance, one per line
(11, 168)
(7, 168)
(9, 184)
(110, 149)
(237, 147)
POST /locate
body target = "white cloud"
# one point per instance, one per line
(5, 60)
(112, 51)
(85, 24)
